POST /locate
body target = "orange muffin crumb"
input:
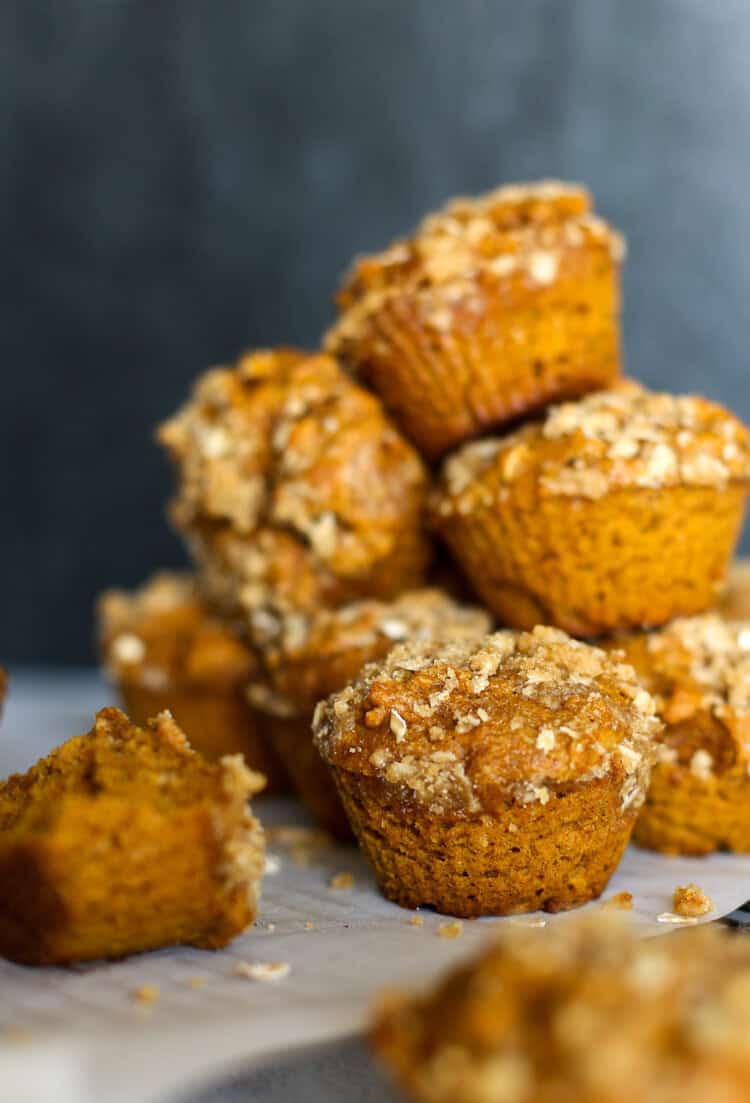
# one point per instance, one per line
(123, 840)
(304, 658)
(691, 900)
(494, 308)
(164, 648)
(491, 776)
(585, 1011)
(621, 901)
(294, 490)
(620, 510)
(698, 669)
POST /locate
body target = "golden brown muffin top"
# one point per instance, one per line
(284, 447)
(735, 604)
(698, 670)
(306, 658)
(627, 437)
(163, 635)
(584, 1011)
(515, 232)
(117, 759)
(465, 726)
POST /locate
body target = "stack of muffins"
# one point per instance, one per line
(470, 390)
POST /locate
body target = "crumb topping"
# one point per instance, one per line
(522, 233)
(163, 635)
(306, 657)
(509, 716)
(698, 670)
(586, 1011)
(285, 447)
(626, 437)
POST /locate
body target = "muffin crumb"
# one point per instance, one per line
(451, 930)
(147, 993)
(621, 901)
(691, 900)
(265, 971)
(342, 881)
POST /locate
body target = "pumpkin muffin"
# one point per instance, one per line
(620, 510)
(125, 839)
(493, 776)
(495, 307)
(698, 670)
(294, 490)
(735, 601)
(306, 658)
(164, 649)
(584, 1011)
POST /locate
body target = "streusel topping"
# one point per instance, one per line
(622, 438)
(163, 635)
(285, 447)
(518, 232)
(306, 657)
(585, 1010)
(463, 726)
(694, 667)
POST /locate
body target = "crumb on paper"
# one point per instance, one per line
(309, 926)
(147, 993)
(691, 901)
(196, 982)
(621, 901)
(671, 917)
(342, 881)
(263, 970)
(451, 930)
(273, 865)
(18, 1035)
(416, 921)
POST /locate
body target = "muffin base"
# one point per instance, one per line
(291, 738)
(559, 856)
(215, 723)
(685, 814)
(634, 558)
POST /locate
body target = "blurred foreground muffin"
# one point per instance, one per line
(307, 658)
(735, 601)
(584, 1011)
(294, 490)
(164, 649)
(698, 670)
(123, 840)
(494, 308)
(492, 776)
(620, 510)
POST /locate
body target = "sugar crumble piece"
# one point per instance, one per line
(416, 921)
(451, 930)
(621, 901)
(671, 917)
(147, 993)
(691, 901)
(265, 971)
(342, 881)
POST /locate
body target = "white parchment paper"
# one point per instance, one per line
(79, 1035)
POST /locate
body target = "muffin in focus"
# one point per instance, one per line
(493, 776)
(620, 510)
(494, 308)
(698, 670)
(735, 601)
(306, 658)
(123, 840)
(294, 491)
(583, 1011)
(164, 649)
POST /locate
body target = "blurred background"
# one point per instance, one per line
(180, 179)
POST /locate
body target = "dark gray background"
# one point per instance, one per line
(179, 178)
